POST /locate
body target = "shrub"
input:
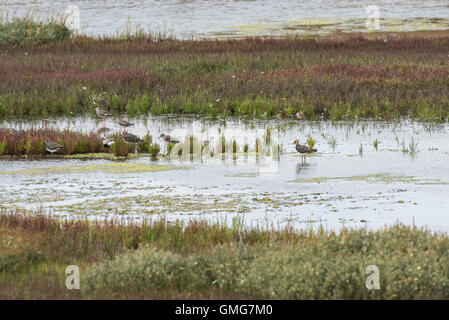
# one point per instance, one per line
(29, 32)
(318, 267)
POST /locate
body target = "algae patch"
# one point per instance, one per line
(105, 167)
(379, 178)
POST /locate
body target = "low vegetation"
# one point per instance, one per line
(352, 77)
(27, 31)
(31, 142)
(161, 260)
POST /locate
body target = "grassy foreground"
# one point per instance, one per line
(351, 77)
(198, 260)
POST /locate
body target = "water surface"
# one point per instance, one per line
(347, 183)
(197, 18)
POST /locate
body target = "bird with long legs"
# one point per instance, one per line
(124, 123)
(103, 114)
(303, 150)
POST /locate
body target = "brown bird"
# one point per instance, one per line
(130, 138)
(124, 123)
(303, 150)
(102, 114)
(167, 138)
(52, 147)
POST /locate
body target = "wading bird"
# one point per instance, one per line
(52, 147)
(124, 123)
(167, 138)
(131, 138)
(102, 114)
(303, 150)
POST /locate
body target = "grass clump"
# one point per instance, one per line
(26, 31)
(311, 142)
(31, 142)
(196, 259)
(154, 149)
(376, 144)
(120, 148)
(144, 145)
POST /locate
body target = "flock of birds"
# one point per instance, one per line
(53, 147)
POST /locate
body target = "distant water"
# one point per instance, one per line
(217, 18)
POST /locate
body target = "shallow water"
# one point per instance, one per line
(339, 186)
(187, 18)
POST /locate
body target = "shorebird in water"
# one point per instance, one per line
(130, 138)
(102, 114)
(167, 138)
(52, 147)
(124, 123)
(303, 150)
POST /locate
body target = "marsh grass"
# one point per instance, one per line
(29, 30)
(144, 145)
(311, 142)
(154, 149)
(376, 144)
(351, 78)
(32, 142)
(159, 259)
(120, 148)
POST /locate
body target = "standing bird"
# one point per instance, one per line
(102, 114)
(124, 123)
(52, 147)
(303, 150)
(167, 138)
(131, 138)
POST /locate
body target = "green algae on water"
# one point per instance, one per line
(105, 167)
